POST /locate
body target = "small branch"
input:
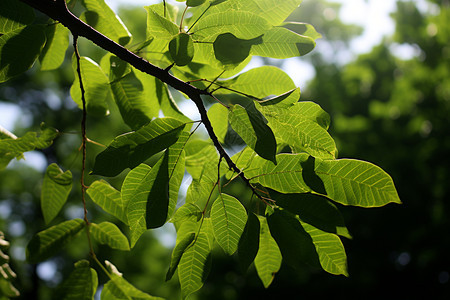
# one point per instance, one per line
(83, 143)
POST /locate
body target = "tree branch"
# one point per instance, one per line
(57, 10)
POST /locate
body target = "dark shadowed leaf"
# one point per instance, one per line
(81, 283)
(181, 49)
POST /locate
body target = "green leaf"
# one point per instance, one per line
(241, 24)
(228, 217)
(330, 250)
(268, 260)
(261, 82)
(16, 58)
(100, 16)
(295, 244)
(152, 194)
(280, 42)
(53, 54)
(315, 210)
(14, 15)
(193, 3)
(108, 198)
(218, 115)
(357, 183)
(231, 51)
(194, 264)
(135, 94)
(249, 242)
(131, 149)
(251, 127)
(304, 29)
(55, 190)
(199, 153)
(15, 147)
(95, 84)
(81, 283)
(47, 243)
(285, 177)
(159, 26)
(117, 288)
(181, 48)
(107, 233)
(177, 252)
(284, 100)
(302, 132)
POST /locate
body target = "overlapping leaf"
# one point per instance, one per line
(302, 133)
(181, 48)
(14, 15)
(358, 183)
(268, 260)
(195, 262)
(81, 284)
(218, 114)
(315, 210)
(16, 58)
(178, 251)
(228, 217)
(280, 42)
(48, 242)
(285, 177)
(330, 250)
(53, 54)
(249, 242)
(295, 244)
(117, 288)
(131, 149)
(109, 234)
(252, 128)
(55, 190)
(159, 26)
(100, 16)
(108, 198)
(95, 84)
(15, 147)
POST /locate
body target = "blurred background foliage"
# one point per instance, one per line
(392, 111)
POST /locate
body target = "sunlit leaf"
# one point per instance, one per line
(109, 234)
(330, 250)
(108, 198)
(53, 54)
(268, 260)
(228, 217)
(95, 84)
(280, 42)
(131, 149)
(304, 29)
(55, 190)
(285, 177)
(194, 265)
(357, 183)
(181, 48)
(100, 16)
(15, 147)
(218, 114)
(302, 132)
(251, 127)
(177, 252)
(47, 243)
(159, 26)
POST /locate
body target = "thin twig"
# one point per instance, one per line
(83, 142)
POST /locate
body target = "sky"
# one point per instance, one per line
(373, 15)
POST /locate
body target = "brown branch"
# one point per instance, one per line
(57, 10)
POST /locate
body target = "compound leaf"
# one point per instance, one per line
(108, 198)
(107, 233)
(81, 283)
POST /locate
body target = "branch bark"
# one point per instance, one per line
(58, 11)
